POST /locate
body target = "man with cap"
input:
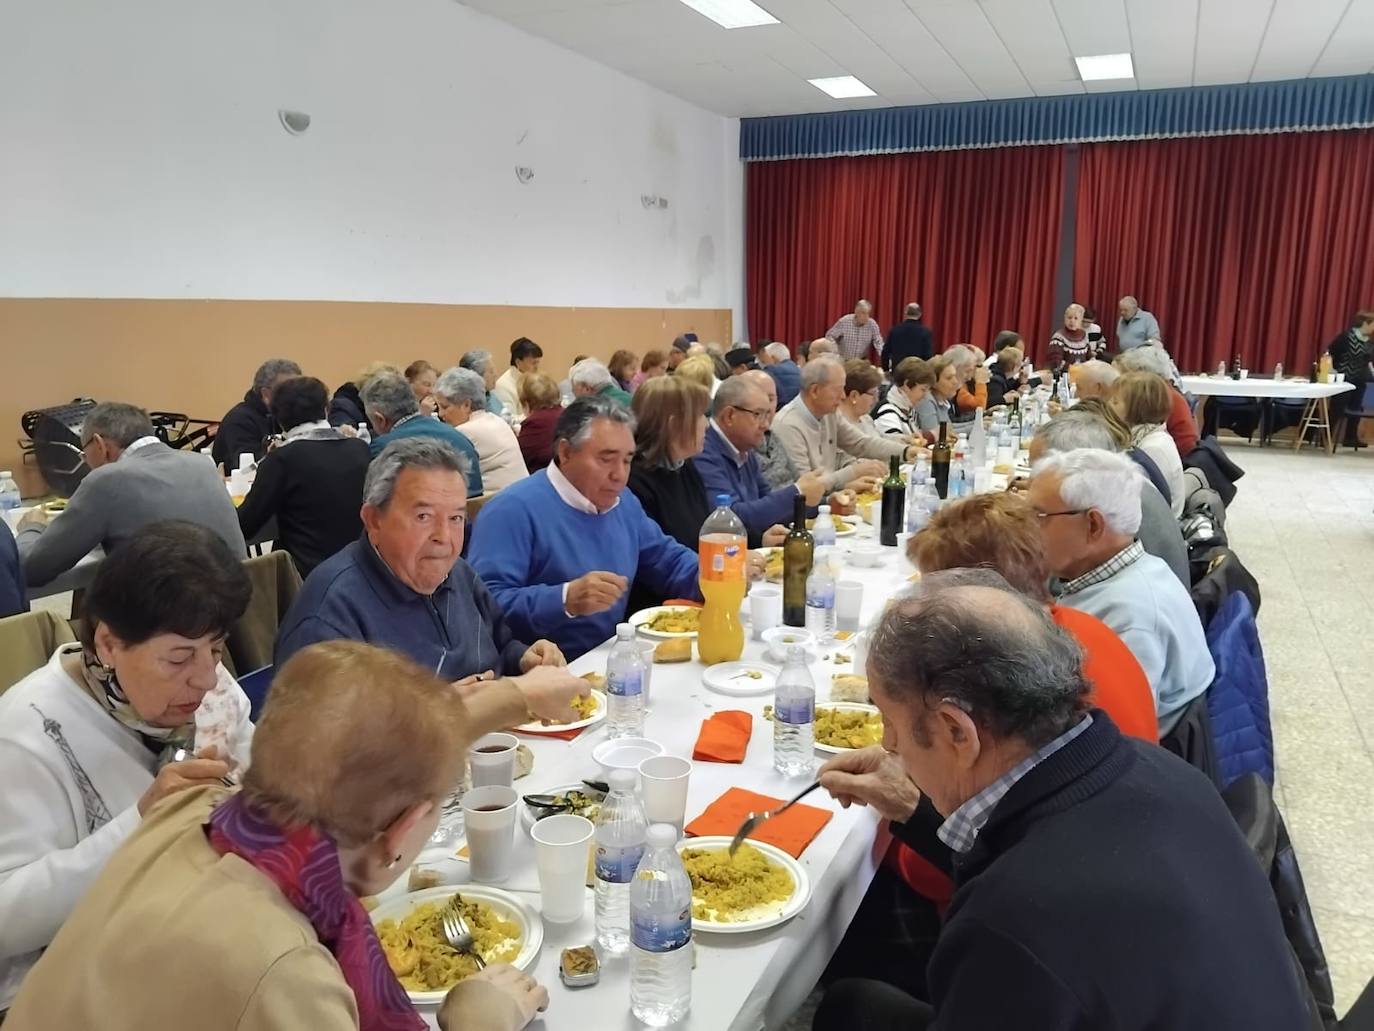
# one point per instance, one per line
(740, 360)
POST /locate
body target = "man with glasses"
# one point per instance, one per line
(815, 435)
(135, 480)
(728, 464)
(1088, 505)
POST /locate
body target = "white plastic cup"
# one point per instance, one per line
(562, 844)
(849, 600)
(765, 608)
(246, 461)
(663, 783)
(492, 760)
(1244, 373)
(489, 815)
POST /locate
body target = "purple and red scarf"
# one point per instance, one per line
(304, 864)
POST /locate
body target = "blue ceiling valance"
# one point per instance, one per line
(1298, 105)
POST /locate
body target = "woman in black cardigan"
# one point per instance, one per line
(671, 426)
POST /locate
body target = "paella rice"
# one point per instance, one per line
(726, 888)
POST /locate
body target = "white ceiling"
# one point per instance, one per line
(942, 51)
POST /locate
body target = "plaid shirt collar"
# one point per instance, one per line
(1107, 570)
(960, 831)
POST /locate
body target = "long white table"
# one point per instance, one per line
(1316, 413)
(741, 982)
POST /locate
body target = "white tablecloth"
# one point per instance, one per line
(1287, 389)
(741, 982)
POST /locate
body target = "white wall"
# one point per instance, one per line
(141, 156)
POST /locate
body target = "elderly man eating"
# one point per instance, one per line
(1088, 503)
(403, 586)
(1099, 881)
(728, 463)
(559, 549)
(814, 434)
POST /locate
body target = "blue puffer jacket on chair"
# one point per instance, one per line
(1238, 700)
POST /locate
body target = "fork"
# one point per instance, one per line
(456, 930)
(752, 822)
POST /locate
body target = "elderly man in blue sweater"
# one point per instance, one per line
(559, 549)
(740, 413)
(391, 407)
(1088, 502)
(403, 586)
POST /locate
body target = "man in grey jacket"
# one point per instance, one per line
(135, 479)
(1159, 533)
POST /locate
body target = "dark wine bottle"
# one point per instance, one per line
(798, 550)
(894, 505)
(939, 463)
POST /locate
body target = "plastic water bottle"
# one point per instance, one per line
(820, 600)
(978, 441)
(1278, 371)
(914, 494)
(661, 932)
(823, 532)
(9, 492)
(619, 838)
(625, 686)
(364, 434)
(794, 717)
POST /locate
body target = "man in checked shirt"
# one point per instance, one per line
(855, 334)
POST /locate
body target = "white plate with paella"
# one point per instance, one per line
(590, 708)
(845, 726)
(667, 621)
(504, 930)
(761, 886)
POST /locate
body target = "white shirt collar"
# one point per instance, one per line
(571, 496)
(141, 442)
(740, 457)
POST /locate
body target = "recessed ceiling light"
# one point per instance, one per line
(1105, 66)
(842, 86)
(732, 14)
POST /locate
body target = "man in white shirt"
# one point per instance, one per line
(1088, 503)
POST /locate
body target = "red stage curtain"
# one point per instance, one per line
(1257, 245)
(971, 235)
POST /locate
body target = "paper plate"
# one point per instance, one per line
(848, 707)
(640, 621)
(849, 529)
(510, 907)
(731, 678)
(766, 916)
(557, 728)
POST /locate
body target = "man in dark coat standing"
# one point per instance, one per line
(910, 338)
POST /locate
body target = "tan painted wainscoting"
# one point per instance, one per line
(198, 357)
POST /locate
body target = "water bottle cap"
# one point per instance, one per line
(661, 835)
(824, 510)
(723, 500)
(5, 474)
(625, 631)
(622, 780)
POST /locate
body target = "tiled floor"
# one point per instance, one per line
(1304, 525)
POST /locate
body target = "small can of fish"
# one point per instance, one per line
(579, 967)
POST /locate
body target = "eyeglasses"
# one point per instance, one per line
(1042, 516)
(759, 415)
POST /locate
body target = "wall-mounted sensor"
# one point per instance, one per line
(294, 122)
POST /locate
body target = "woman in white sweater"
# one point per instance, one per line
(460, 394)
(87, 743)
(1143, 402)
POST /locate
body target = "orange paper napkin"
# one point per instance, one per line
(724, 737)
(561, 735)
(791, 832)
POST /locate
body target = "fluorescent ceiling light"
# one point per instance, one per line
(732, 14)
(842, 86)
(1105, 66)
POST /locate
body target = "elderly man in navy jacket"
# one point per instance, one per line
(728, 465)
(1099, 881)
(403, 586)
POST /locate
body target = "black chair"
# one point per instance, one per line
(1365, 411)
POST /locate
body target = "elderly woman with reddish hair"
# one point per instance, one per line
(253, 898)
(1001, 531)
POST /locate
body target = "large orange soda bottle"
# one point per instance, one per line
(722, 550)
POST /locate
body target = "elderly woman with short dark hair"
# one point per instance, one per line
(243, 912)
(89, 742)
(311, 483)
(461, 397)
